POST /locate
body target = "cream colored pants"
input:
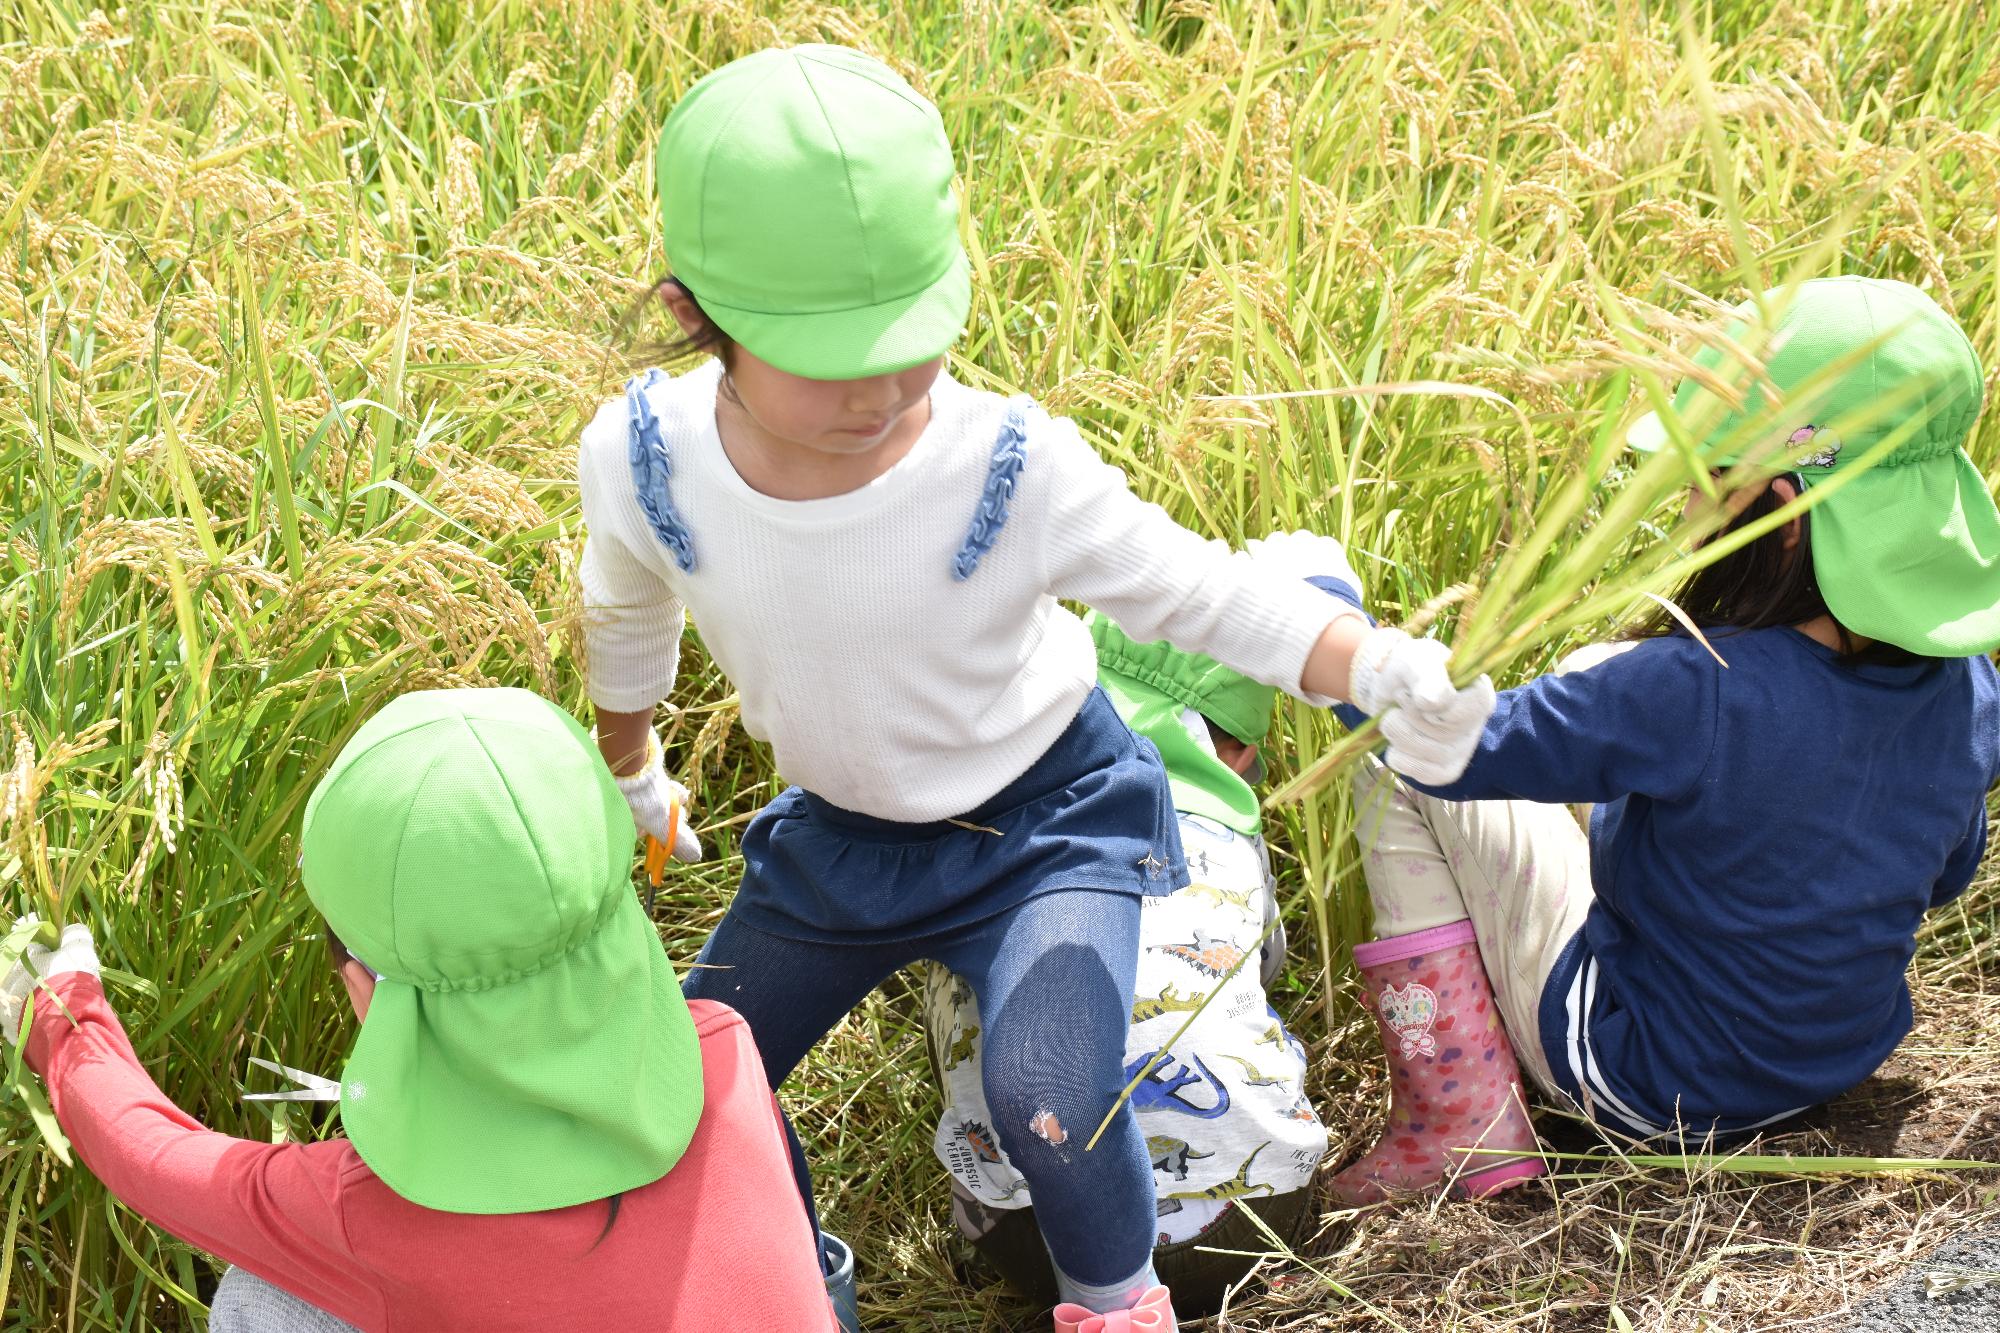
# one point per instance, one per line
(1519, 870)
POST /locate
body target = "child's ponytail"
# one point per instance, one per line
(708, 339)
(1760, 586)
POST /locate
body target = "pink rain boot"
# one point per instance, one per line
(1455, 1084)
(1153, 1314)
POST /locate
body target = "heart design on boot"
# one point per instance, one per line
(1410, 1011)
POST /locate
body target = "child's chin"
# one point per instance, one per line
(852, 442)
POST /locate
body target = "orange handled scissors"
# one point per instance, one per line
(656, 853)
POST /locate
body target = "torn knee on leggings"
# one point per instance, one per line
(1034, 1122)
(1045, 1126)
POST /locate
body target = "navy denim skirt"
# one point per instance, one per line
(1094, 812)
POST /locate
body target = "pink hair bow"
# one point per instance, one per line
(1153, 1314)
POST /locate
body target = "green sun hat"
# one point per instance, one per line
(1906, 549)
(1153, 685)
(807, 203)
(527, 1046)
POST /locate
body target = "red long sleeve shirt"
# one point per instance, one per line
(720, 1242)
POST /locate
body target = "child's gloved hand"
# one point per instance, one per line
(655, 798)
(75, 953)
(1303, 555)
(1391, 669)
(1435, 746)
(1435, 725)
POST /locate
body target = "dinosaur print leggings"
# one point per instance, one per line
(1053, 977)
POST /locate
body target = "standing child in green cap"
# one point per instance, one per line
(1726, 946)
(541, 1133)
(875, 554)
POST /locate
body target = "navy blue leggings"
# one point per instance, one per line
(1054, 979)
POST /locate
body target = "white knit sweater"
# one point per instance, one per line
(882, 684)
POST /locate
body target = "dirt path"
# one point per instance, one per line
(1904, 1306)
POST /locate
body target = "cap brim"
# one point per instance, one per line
(570, 1084)
(1910, 555)
(867, 340)
(1649, 435)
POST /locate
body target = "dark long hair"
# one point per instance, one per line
(1762, 585)
(342, 955)
(708, 338)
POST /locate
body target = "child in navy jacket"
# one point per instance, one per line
(1772, 819)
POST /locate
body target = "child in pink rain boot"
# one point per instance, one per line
(1454, 1075)
(1726, 946)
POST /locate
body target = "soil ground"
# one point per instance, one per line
(1955, 1290)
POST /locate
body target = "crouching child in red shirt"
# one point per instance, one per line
(541, 1133)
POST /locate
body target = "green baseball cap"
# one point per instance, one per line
(527, 1046)
(1906, 549)
(807, 202)
(1152, 685)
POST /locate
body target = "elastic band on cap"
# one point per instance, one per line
(1921, 451)
(588, 931)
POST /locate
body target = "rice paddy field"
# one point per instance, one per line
(302, 306)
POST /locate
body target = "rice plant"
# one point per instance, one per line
(302, 306)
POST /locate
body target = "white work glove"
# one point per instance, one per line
(1435, 726)
(74, 953)
(654, 798)
(1303, 555)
